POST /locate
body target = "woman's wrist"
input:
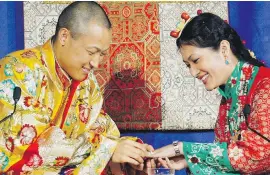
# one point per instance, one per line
(180, 145)
(178, 148)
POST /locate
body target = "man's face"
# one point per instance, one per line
(84, 53)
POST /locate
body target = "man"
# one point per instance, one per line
(58, 124)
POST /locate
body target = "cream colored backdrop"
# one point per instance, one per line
(185, 104)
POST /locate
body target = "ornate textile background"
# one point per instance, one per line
(132, 95)
(147, 87)
(185, 102)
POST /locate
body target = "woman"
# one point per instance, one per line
(215, 54)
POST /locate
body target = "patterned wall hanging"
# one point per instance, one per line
(146, 85)
(185, 102)
(132, 96)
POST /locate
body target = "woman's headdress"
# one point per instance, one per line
(185, 19)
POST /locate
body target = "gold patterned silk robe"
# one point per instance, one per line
(58, 122)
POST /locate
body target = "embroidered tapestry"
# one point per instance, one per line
(146, 85)
(185, 102)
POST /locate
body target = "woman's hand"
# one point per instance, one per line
(149, 163)
(128, 151)
(166, 151)
(177, 163)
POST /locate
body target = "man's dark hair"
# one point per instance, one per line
(76, 16)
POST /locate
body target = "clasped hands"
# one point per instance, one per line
(143, 156)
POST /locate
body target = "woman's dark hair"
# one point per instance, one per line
(208, 30)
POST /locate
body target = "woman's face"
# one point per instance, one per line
(207, 65)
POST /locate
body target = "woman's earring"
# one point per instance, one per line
(226, 61)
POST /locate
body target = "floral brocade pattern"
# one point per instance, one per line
(246, 151)
(45, 134)
(207, 158)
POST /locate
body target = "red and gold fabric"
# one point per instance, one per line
(131, 74)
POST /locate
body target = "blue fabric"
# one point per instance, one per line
(11, 27)
(251, 20)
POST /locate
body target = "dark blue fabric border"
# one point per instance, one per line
(11, 27)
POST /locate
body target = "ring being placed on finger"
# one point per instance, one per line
(150, 153)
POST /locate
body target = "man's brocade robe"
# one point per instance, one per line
(58, 122)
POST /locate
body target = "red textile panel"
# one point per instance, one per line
(131, 74)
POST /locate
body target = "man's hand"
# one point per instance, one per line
(128, 151)
(149, 163)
